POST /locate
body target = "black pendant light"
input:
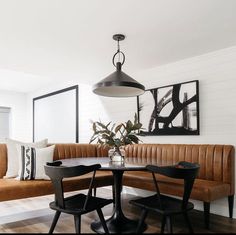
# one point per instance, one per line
(118, 84)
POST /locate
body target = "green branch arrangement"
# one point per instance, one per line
(113, 135)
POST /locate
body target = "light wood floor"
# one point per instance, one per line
(34, 216)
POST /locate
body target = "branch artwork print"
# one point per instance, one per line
(170, 110)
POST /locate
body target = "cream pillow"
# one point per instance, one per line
(32, 161)
(12, 155)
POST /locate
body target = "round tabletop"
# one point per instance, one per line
(130, 164)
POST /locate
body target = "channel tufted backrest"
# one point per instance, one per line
(63, 151)
(216, 161)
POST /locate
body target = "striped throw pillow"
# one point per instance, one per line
(32, 161)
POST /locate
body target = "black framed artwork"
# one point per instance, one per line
(170, 110)
(55, 116)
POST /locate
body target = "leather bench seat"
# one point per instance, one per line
(15, 189)
(204, 190)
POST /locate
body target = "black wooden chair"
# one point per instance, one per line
(78, 204)
(165, 205)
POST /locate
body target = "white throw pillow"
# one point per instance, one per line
(12, 155)
(32, 161)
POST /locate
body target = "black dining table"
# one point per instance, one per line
(117, 222)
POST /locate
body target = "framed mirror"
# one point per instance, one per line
(55, 116)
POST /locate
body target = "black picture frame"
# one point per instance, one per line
(76, 90)
(170, 110)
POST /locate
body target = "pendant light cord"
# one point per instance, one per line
(118, 53)
(118, 49)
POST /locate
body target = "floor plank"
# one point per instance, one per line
(33, 215)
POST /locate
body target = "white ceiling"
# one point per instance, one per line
(72, 39)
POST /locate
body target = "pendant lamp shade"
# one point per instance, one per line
(118, 84)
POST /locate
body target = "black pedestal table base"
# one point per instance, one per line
(117, 223)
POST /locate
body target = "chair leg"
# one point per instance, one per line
(169, 224)
(103, 222)
(206, 214)
(54, 222)
(163, 224)
(188, 222)
(141, 221)
(231, 205)
(77, 219)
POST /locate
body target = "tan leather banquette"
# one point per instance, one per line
(11, 189)
(216, 178)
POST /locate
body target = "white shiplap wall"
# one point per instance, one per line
(91, 108)
(216, 73)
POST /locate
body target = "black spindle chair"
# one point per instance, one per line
(79, 203)
(165, 205)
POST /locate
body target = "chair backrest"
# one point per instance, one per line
(183, 170)
(57, 173)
